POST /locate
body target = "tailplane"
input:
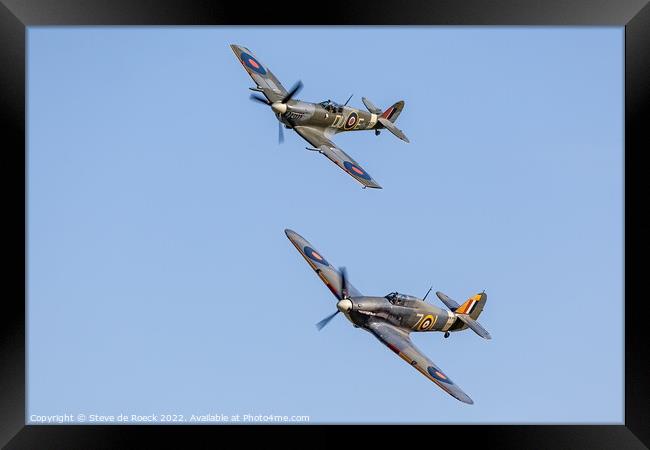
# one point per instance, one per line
(387, 118)
(392, 128)
(468, 312)
(449, 302)
(474, 326)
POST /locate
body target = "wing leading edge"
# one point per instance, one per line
(316, 137)
(400, 343)
(324, 269)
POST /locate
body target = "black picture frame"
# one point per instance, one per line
(17, 15)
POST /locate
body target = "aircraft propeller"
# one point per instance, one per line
(280, 107)
(280, 133)
(326, 320)
(343, 305)
(294, 90)
(259, 98)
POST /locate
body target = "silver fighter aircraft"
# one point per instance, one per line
(318, 122)
(392, 318)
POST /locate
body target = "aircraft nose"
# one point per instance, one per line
(279, 107)
(344, 305)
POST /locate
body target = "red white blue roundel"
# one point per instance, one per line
(352, 120)
(438, 375)
(356, 170)
(252, 63)
(315, 256)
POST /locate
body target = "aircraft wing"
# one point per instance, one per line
(266, 82)
(316, 137)
(328, 273)
(399, 342)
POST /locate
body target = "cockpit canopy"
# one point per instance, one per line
(399, 299)
(331, 106)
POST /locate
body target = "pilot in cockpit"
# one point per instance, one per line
(331, 106)
(393, 297)
(399, 299)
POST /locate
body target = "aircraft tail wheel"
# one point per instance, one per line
(446, 334)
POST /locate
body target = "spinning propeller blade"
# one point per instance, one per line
(343, 294)
(320, 325)
(280, 112)
(259, 98)
(344, 282)
(280, 133)
(294, 90)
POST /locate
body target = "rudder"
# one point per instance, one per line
(473, 306)
(394, 111)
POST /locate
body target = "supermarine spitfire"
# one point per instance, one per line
(392, 318)
(318, 122)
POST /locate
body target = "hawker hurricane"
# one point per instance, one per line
(392, 318)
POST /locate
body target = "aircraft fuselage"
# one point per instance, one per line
(338, 118)
(412, 315)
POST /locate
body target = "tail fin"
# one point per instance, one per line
(473, 306)
(394, 111)
(469, 311)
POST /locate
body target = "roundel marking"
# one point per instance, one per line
(356, 170)
(426, 323)
(252, 63)
(351, 122)
(314, 255)
(438, 375)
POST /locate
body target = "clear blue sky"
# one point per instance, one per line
(159, 276)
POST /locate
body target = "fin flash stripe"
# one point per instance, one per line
(388, 113)
(468, 306)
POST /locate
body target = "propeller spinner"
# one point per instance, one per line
(280, 107)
